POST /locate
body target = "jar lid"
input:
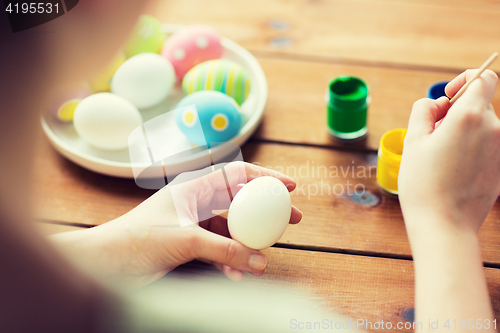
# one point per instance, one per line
(348, 92)
(391, 146)
(437, 90)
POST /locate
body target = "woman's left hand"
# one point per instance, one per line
(173, 227)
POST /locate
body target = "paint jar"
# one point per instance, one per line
(347, 107)
(437, 90)
(389, 159)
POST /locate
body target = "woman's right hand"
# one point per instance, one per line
(450, 174)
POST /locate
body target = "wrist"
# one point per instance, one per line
(441, 217)
(429, 233)
(90, 250)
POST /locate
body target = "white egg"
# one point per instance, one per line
(145, 79)
(106, 120)
(260, 212)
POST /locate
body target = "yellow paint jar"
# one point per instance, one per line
(389, 159)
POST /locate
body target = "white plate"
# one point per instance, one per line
(117, 163)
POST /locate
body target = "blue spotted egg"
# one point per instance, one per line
(214, 118)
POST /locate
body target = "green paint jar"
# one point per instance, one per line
(347, 108)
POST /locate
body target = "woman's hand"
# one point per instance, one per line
(448, 181)
(451, 172)
(170, 229)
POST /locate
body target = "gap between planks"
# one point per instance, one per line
(311, 248)
(356, 147)
(358, 62)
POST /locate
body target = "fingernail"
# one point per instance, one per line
(257, 262)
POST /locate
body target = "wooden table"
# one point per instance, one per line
(351, 252)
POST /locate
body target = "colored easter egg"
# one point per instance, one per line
(105, 120)
(217, 113)
(145, 79)
(101, 81)
(220, 75)
(64, 104)
(190, 46)
(146, 37)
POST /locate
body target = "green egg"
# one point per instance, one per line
(146, 37)
(221, 75)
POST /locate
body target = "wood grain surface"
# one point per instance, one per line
(359, 287)
(431, 33)
(296, 109)
(335, 218)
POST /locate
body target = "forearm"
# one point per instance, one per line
(98, 251)
(450, 287)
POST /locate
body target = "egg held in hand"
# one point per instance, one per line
(216, 118)
(145, 80)
(260, 213)
(105, 121)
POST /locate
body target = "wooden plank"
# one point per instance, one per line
(296, 109)
(333, 220)
(368, 288)
(65, 192)
(407, 33)
(337, 221)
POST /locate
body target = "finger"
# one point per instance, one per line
(233, 274)
(221, 200)
(254, 171)
(236, 188)
(454, 85)
(478, 95)
(242, 173)
(424, 115)
(259, 273)
(485, 85)
(209, 246)
(296, 215)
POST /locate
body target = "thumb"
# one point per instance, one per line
(227, 251)
(424, 115)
